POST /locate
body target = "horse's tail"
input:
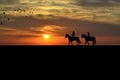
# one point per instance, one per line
(79, 40)
(95, 41)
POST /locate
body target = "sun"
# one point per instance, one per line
(46, 36)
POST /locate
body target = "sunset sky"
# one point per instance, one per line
(45, 22)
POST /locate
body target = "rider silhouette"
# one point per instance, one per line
(73, 34)
(88, 34)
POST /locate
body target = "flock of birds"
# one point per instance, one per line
(4, 14)
(26, 12)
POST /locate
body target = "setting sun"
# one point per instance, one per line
(46, 36)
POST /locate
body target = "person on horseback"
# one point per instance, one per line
(73, 34)
(88, 34)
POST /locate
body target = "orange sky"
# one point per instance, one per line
(57, 40)
(23, 22)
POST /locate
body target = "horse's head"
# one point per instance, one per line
(83, 35)
(66, 35)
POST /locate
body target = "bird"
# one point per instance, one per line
(1, 22)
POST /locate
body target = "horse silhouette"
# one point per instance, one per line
(87, 39)
(71, 39)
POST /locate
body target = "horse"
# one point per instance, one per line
(87, 39)
(71, 39)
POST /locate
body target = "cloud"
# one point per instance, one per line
(63, 3)
(9, 2)
(58, 26)
(98, 3)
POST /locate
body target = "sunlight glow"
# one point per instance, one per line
(46, 36)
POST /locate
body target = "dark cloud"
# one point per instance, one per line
(9, 1)
(98, 3)
(81, 26)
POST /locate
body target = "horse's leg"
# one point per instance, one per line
(85, 43)
(93, 42)
(78, 42)
(69, 43)
(88, 43)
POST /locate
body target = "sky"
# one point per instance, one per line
(25, 22)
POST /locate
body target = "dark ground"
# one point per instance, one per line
(60, 49)
(46, 56)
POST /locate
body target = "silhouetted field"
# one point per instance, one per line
(58, 53)
(61, 48)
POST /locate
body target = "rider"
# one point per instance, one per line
(73, 34)
(88, 34)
